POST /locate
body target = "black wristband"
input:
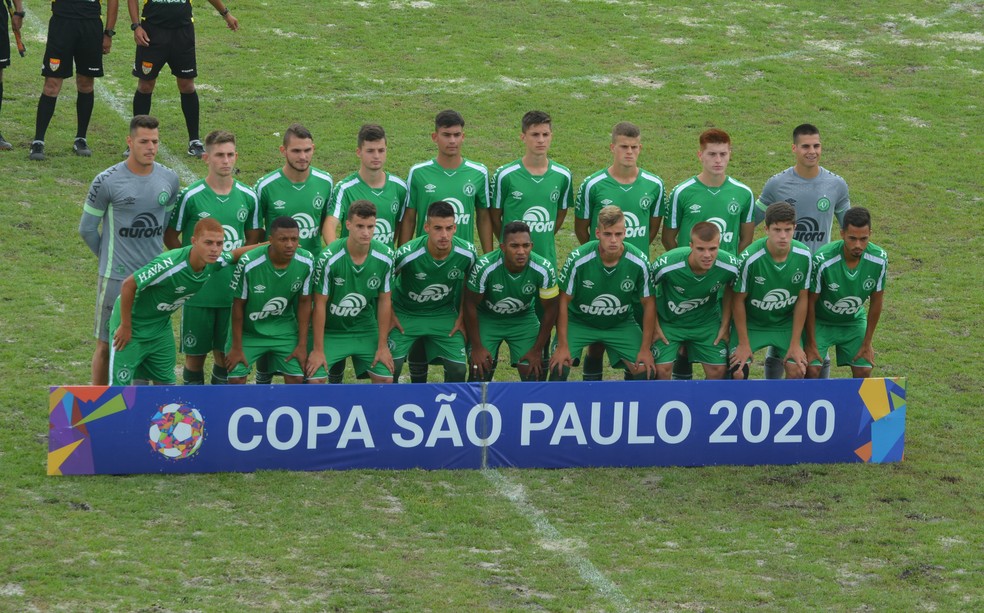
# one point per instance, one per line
(20, 14)
(224, 12)
(109, 33)
(134, 26)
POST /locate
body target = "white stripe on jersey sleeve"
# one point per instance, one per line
(501, 174)
(184, 201)
(674, 221)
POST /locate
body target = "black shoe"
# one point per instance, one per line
(37, 151)
(81, 148)
(196, 148)
(4, 144)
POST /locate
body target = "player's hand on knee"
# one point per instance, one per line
(122, 337)
(315, 360)
(234, 357)
(866, 352)
(797, 357)
(742, 354)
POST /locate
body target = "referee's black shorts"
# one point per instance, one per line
(78, 40)
(172, 46)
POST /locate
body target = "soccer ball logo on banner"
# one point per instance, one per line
(177, 431)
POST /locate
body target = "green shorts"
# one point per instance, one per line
(204, 329)
(846, 337)
(622, 341)
(150, 358)
(779, 338)
(433, 331)
(518, 333)
(359, 346)
(699, 341)
(255, 348)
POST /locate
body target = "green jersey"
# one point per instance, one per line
(508, 295)
(602, 296)
(271, 294)
(639, 202)
(388, 199)
(727, 207)
(534, 199)
(772, 288)
(425, 286)
(237, 211)
(843, 291)
(163, 286)
(352, 290)
(466, 188)
(684, 298)
(305, 202)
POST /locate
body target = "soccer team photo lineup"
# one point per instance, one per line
(298, 273)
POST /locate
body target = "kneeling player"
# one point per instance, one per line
(271, 308)
(430, 275)
(845, 274)
(502, 290)
(599, 283)
(688, 282)
(770, 300)
(352, 285)
(140, 326)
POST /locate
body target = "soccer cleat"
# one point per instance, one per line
(196, 148)
(81, 148)
(126, 153)
(37, 151)
(5, 144)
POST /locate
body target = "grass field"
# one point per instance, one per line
(895, 88)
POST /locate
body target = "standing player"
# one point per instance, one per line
(599, 283)
(132, 201)
(818, 195)
(451, 178)
(846, 273)
(533, 189)
(502, 289)
(688, 282)
(430, 272)
(770, 299)
(388, 192)
(298, 190)
(143, 342)
(272, 306)
(205, 319)
(710, 196)
(17, 22)
(75, 33)
(636, 192)
(165, 34)
(352, 302)
(623, 184)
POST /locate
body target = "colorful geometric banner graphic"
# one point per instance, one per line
(188, 429)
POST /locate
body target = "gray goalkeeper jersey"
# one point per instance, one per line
(817, 201)
(133, 211)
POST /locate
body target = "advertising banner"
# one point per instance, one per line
(189, 429)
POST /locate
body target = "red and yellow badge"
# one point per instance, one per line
(147, 67)
(54, 63)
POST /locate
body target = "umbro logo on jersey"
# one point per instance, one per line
(279, 204)
(204, 214)
(760, 280)
(679, 289)
(834, 287)
(421, 276)
(180, 289)
(518, 195)
(339, 280)
(498, 287)
(588, 283)
(431, 188)
(695, 208)
(607, 201)
(259, 289)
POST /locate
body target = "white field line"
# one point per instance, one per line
(516, 494)
(122, 109)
